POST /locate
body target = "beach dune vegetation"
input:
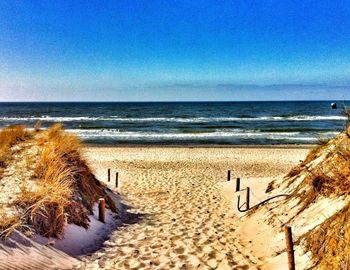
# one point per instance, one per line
(61, 188)
(326, 174)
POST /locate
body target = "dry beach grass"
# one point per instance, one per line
(318, 205)
(47, 181)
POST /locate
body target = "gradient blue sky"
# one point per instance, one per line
(174, 50)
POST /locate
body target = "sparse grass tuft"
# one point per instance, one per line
(9, 136)
(8, 224)
(12, 134)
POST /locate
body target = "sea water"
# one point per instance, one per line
(191, 123)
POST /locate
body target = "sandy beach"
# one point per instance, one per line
(174, 135)
(176, 215)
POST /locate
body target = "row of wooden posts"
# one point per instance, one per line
(238, 188)
(116, 177)
(287, 229)
(102, 202)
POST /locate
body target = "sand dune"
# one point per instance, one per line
(22, 253)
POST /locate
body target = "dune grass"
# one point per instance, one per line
(44, 206)
(329, 242)
(9, 136)
(8, 224)
(62, 190)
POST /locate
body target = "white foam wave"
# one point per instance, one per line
(128, 135)
(175, 119)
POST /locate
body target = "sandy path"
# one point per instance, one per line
(178, 217)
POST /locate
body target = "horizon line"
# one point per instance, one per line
(177, 101)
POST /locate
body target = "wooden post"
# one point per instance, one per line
(116, 179)
(109, 175)
(238, 184)
(101, 210)
(248, 198)
(229, 175)
(290, 248)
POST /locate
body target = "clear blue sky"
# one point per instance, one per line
(174, 50)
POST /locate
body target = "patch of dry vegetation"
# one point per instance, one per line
(9, 136)
(327, 174)
(330, 242)
(65, 189)
(331, 176)
(8, 224)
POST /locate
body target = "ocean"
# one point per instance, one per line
(189, 123)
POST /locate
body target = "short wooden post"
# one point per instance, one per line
(238, 184)
(229, 175)
(101, 210)
(109, 175)
(290, 248)
(248, 198)
(116, 179)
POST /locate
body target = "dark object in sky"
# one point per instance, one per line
(334, 105)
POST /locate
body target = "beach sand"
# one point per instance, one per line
(176, 215)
